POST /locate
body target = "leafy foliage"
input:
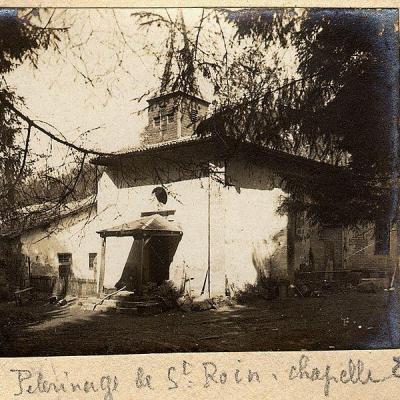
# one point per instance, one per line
(338, 106)
(317, 83)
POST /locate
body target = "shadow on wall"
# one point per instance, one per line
(269, 258)
(251, 173)
(158, 253)
(142, 172)
(132, 264)
(21, 256)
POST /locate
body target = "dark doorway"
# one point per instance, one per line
(159, 253)
(64, 271)
(150, 263)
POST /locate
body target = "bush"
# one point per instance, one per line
(149, 288)
(265, 289)
(4, 294)
(169, 294)
(248, 293)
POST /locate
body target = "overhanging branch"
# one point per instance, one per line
(65, 142)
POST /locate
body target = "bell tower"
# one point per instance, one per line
(177, 108)
(172, 116)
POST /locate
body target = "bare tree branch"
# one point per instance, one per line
(49, 134)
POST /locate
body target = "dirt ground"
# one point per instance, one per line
(339, 321)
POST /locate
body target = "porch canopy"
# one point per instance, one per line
(152, 225)
(142, 230)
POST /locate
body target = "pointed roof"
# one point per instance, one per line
(147, 226)
(179, 72)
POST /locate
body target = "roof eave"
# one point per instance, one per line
(153, 149)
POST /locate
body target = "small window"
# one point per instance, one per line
(382, 238)
(92, 261)
(156, 121)
(164, 122)
(64, 258)
(300, 223)
(170, 118)
(194, 114)
(161, 194)
(64, 264)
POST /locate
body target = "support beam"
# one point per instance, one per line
(291, 238)
(100, 282)
(209, 232)
(140, 271)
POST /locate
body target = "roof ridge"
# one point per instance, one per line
(144, 147)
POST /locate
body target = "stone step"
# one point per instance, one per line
(109, 304)
(120, 303)
(124, 297)
(149, 308)
(108, 291)
(142, 308)
(91, 300)
(124, 310)
(101, 308)
(95, 300)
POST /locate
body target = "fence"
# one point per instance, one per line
(341, 277)
(43, 284)
(47, 285)
(81, 287)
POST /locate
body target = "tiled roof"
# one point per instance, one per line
(169, 143)
(156, 146)
(158, 96)
(252, 147)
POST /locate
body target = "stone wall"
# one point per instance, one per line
(348, 248)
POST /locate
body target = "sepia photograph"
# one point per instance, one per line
(179, 180)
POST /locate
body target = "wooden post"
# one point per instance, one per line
(140, 277)
(100, 282)
(291, 237)
(209, 233)
(29, 271)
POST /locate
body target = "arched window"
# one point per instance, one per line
(160, 194)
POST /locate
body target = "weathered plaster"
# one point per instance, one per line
(74, 234)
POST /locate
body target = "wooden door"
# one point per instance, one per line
(64, 271)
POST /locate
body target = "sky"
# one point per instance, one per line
(112, 55)
(86, 90)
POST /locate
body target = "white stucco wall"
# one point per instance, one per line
(189, 199)
(255, 235)
(245, 230)
(73, 234)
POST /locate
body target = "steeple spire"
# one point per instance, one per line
(179, 73)
(175, 111)
(167, 74)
